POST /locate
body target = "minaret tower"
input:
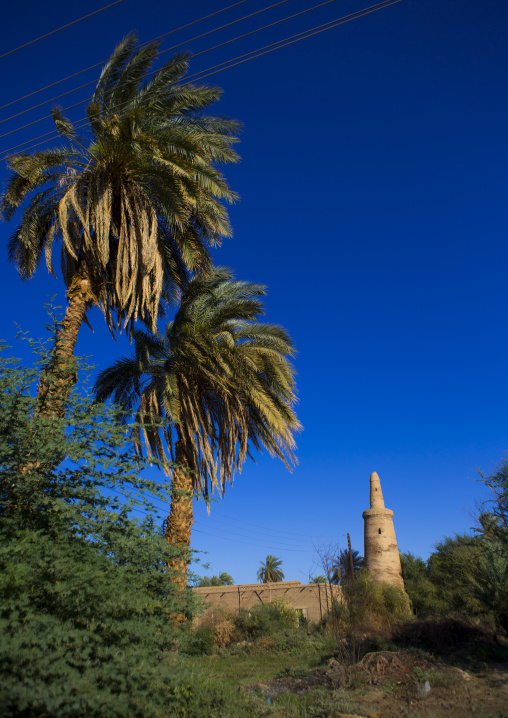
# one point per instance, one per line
(381, 553)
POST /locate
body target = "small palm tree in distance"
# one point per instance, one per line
(320, 578)
(340, 569)
(270, 571)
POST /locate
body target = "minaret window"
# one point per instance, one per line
(379, 530)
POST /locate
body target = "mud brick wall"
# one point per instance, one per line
(313, 599)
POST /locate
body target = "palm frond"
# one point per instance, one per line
(220, 383)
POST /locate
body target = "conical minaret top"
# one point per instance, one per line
(376, 495)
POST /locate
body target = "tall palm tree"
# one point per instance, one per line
(270, 571)
(219, 383)
(134, 203)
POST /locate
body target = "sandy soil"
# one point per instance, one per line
(400, 684)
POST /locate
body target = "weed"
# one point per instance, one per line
(290, 672)
(437, 679)
(389, 687)
(317, 703)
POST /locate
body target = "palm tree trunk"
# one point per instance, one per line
(181, 516)
(58, 378)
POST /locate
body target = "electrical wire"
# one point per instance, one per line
(237, 61)
(248, 543)
(98, 64)
(231, 518)
(64, 27)
(215, 519)
(170, 49)
(174, 47)
(267, 545)
(279, 535)
(235, 533)
(166, 506)
(291, 40)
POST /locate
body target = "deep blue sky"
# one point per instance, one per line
(374, 207)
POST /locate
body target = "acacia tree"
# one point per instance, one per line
(270, 571)
(216, 385)
(134, 203)
(86, 607)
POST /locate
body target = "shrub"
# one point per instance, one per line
(366, 606)
(198, 642)
(442, 635)
(266, 619)
(222, 633)
(85, 596)
(264, 644)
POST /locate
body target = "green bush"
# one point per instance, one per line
(266, 619)
(366, 606)
(85, 596)
(198, 642)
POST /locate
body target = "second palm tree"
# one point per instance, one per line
(217, 384)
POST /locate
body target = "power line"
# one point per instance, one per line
(224, 538)
(166, 506)
(300, 36)
(98, 64)
(174, 47)
(254, 54)
(203, 52)
(64, 27)
(235, 533)
(248, 543)
(270, 530)
(229, 63)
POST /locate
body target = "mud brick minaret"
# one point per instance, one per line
(381, 553)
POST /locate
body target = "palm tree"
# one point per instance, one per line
(270, 571)
(218, 382)
(134, 204)
(340, 569)
(320, 578)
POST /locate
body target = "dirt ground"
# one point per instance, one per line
(388, 684)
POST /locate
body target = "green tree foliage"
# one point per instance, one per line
(466, 574)
(450, 570)
(423, 593)
(85, 596)
(223, 579)
(444, 583)
(491, 576)
(270, 571)
(494, 518)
